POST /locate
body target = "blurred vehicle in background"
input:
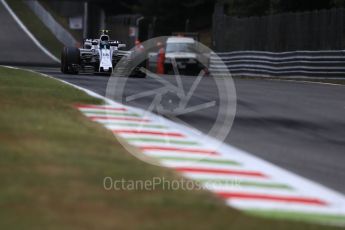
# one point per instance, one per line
(181, 56)
(182, 53)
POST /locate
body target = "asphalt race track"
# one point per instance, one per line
(298, 126)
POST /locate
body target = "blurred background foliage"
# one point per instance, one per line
(171, 15)
(246, 8)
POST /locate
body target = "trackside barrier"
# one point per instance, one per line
(286, 64)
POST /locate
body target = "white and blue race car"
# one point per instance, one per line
(96, 56)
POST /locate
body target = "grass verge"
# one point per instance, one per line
(53, 161)
(63, 21)
(36, 27)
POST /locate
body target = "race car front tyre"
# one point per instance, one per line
(70, 60)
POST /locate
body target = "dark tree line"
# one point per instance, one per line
(177, 11)
(172, 15)
(247, 8)
(166, 15)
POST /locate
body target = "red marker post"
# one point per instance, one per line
(160, 58)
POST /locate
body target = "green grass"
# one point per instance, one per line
(53, 161)
(36, 27)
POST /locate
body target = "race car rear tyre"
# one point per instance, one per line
(70, 60)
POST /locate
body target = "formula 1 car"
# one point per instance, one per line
(96, 56)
